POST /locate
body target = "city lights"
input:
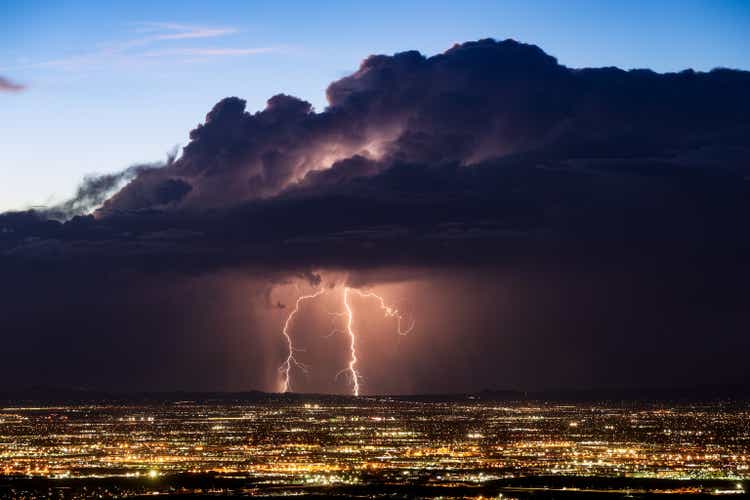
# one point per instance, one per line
(303, 442)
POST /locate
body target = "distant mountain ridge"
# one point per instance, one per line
(86, 395)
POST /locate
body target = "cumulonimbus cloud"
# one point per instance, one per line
(490, 143)
(607, 206)
(476, 102)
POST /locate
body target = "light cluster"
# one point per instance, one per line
(340, 440)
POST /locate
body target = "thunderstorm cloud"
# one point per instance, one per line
(606, 206)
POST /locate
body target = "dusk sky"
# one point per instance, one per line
(319, 197)
(113, 84)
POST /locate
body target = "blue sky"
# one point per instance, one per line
(110, 84)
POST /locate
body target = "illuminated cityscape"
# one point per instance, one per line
(295, 444)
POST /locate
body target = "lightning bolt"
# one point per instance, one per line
(389, 311)
(352, 343)
(348, 313)
(286, 366)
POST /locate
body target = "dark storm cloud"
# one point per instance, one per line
(623, 190)
(475, 102)
(475, 154)
(10, 86)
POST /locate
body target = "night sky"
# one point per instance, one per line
(542, 226)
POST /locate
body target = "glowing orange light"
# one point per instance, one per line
(389, 311)
(351, 368)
